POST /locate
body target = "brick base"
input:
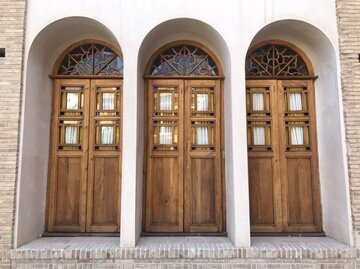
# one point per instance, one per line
(185, 252)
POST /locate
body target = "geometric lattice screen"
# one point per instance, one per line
(184, 60)
(91, 59)
(275, 61)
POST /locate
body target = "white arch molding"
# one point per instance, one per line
(336, 214)
(36, 112)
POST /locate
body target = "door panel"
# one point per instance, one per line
(104, 180)
(203, 179)
(165, 201)
(300, 191)
(263, 156)
(261, 192)
(203, 188)
(105, 194)
(68, 163)
(164, 184)
(299, 159)
(68, 188)
(84, 171)
(183, 183)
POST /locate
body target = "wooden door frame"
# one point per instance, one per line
(55, 103)
(282, 155)
(220, 82)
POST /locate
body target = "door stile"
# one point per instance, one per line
(104, 180)
(72, 159)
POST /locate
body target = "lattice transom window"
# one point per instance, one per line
(184, 60)
(275, 60)
(90, 59)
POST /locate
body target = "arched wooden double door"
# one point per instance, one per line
(282, 144)
(85, 156)
(184, 187)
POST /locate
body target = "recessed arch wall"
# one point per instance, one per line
(194, 30)
(36, 110)
(331, 145)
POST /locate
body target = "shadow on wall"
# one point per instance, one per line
(34, 149)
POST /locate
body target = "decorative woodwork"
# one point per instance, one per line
(184, 176)
(282, 146)
(275, 60)
(90, 58)
(85, 163)
(184, 146)
(183, 60)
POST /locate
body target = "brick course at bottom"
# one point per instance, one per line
(186, 264)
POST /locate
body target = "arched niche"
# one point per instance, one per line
(199, 31)
(36, 112)
(334, 187)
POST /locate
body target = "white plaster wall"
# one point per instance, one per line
(228, 28)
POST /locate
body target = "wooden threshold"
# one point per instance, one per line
(146, 234)
(46, 234)
(322, 234)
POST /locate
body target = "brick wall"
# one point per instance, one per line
(348, 12)
(12, 38)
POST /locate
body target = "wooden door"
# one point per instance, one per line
(84, 168)
(282, 153)
(298, 156)
(183, 166)
(68, 163)
(263, 156)
(103, 200)
(165, 145)
(202, 167)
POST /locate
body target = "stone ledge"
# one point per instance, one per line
(183, 248)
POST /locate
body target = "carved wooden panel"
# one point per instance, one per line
(90, 59)
(275, 60)
(184, 60)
